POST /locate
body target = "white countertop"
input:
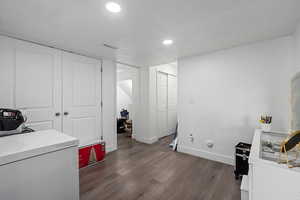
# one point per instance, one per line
(19, 147)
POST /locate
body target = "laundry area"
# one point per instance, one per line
(149, 100)
(52, 103)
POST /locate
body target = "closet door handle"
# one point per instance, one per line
(66, 113)
(57, 114)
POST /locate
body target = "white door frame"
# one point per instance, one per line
(135, 97)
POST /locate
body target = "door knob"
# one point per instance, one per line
(66, 113)
(57, 114)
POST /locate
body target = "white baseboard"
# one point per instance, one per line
(205, 154)
(147, 140)
(111, 149)
(133, 136)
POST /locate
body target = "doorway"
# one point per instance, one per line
(127, 102)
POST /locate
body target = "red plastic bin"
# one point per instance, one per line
(84, 156)
(99, 151)
(91, 154)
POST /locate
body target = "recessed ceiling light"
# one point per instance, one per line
(168, 42)
(113, 7)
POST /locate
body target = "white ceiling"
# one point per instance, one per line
(196, 26)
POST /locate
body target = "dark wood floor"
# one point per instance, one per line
(153, 172)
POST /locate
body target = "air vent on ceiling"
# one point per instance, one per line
(110, 46)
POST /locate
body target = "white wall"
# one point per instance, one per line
(146, 121)
(109, 104)
(146, 116)
(297, 46)
(222, 94)
(170, 68)
(144, 133)
(294, 124)
(7, 62)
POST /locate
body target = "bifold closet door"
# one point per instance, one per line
(162, 104)
(37, 75)
(81, 98)
(172, 103)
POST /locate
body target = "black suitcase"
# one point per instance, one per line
(242, 152)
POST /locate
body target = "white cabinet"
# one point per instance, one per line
(268, 179)
(55, 89)
(39, 166)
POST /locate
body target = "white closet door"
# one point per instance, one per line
(82, 98)
(172, 103)
(7, 71)
(38, 85)
(162, 104)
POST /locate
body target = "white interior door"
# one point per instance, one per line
(38, 85)
(172, 103)
(82, 98)
(162, 104)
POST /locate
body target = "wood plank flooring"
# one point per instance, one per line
(153, 172)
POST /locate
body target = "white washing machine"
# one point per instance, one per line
(42, 165)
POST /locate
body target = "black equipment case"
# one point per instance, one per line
(242, 152)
